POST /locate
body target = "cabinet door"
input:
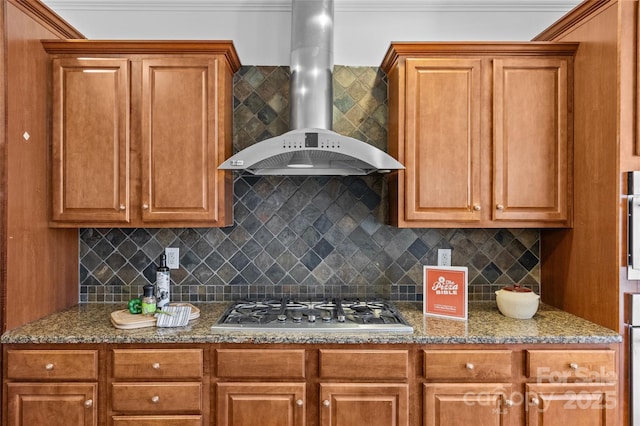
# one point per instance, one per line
(531, 141)
(371, 404)
(442, 147)
(267, 404)
(179, 131)
(572, 404)
(56, 404)
(90, 148)
(485, 404)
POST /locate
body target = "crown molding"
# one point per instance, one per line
(340, 5)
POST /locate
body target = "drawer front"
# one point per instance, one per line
(176, 397)
(558, 365)
(364, 364)
(472, 364)
(260, 363)
(52, 365)
(157, 363)
(156, 420)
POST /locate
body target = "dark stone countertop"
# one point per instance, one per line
(90, 323)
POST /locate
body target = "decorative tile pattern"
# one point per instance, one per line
(304, 236)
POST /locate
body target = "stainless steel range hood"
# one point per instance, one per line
(311, 147)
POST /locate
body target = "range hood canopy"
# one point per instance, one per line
(311, 147)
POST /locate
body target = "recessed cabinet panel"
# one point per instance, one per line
(443, 139)
(179, 175)
(530, 139)
(90, 153)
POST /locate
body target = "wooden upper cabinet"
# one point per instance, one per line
(531, 146)
(90, 148)
(442, 143)
(179, 150)
(139, 131)
(483, 130)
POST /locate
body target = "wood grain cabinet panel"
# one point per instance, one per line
(90, 147)
(261, 363)
(571, 404)
(156, 397)
(157, 363)
(531, 141)
(70, 364)
(371, 404)
(268, 404)
(52, 404)
(581, 365)
(484, 133)
(137, 138)
(468, 365)
(364, 364)
(185, 420)
(486, 404)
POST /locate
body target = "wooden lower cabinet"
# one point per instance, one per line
(310, 384)
(371, 404)
(479, 404)
(52, 404)
(267, 404)
(572, 404)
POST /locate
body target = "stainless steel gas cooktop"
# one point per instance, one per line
(335, 315)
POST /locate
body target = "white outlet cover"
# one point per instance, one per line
(173, 257)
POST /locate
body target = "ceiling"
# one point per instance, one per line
(260, 29)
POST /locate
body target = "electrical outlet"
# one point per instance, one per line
(173, 257)
(444, 257)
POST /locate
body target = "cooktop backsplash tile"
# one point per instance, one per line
(304, 236)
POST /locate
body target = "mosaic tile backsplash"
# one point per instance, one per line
(304, 237)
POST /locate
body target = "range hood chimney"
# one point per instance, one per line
(311, 147)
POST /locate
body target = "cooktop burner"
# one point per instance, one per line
(335, 315)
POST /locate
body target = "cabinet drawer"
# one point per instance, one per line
(489, 364)
(52, 364)
(588, 365)
(364, 364)
(157, 363)
(260, 363)
(156, 420)
(178, 397)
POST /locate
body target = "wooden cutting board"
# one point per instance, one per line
(125, 320)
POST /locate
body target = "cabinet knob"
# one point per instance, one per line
(573, 366)
(469, 366)
(535, 401)
(499, 207)
(88, 403)
(299, 402)
(326, 403)
(156, 366)
(508, 403)
(123, 207)
(145, 206)
(476, 207)
(155, 399)
(48, 367)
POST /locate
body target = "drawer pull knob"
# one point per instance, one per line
(573, 366)
(535, 401)
(88, 403)
(123, 207)
(145, 206)
(155, 399)
(469, 366)
(476, 207)
(326, 403)
(508, 403)
(499, 207)
(156, 366)
(299, 402)
(48, 367)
